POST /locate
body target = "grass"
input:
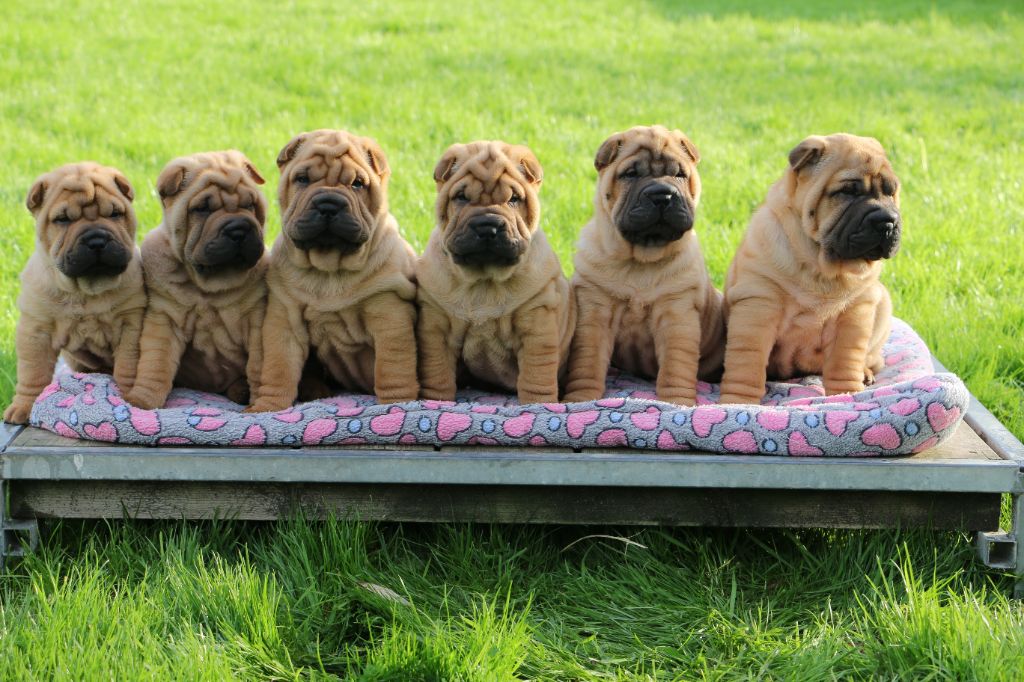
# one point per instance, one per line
(135, 84)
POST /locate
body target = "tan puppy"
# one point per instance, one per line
(205, 269)
(82, 291)
(341, 276)
(802, 294)
(643, 293)
(494, 303)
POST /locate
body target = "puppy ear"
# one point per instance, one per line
(375, 155)
(171, 181)
(808, 152)
(124, 186)
(529, 166)
(290, 149)
(36, 194)
(608, 151)
(253, 173)
(689, 147)
(446, 166)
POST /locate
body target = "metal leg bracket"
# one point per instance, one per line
(17, 537)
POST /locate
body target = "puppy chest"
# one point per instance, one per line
(489, 352)
(634, 343)
(89, 334)
(219, 339)
(342, 332)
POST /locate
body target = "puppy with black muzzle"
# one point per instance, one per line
(342, 287)
(645, 300)
(205, 271)
(82, 290)
(494, 305)
(803, 294)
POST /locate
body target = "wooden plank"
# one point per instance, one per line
(507, 504)
(964, 444)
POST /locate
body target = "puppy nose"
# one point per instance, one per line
(486, 227)
(886, 220)
(236, 229)
(660, 194)
(330, 205)
(96, 239)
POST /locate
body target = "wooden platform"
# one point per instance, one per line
(955, 485)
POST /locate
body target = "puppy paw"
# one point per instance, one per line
(529, 398)
(144, 399)
(266, 405)
(404, 396)
(844, 387)
(581, 396)
(18, 412)
(869, 377)
(739, 399)
(678, 399)
(437, 394)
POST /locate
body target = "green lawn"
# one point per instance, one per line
(133, 84)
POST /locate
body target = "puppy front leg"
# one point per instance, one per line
(126, 354)
(677, 344)
(285, 349)
(752, 330)
(254, 347)
(392, 324)
(538, 356)
(844, 370)
(160, 349)
(437, 355)
(33, 343)
(592, 345)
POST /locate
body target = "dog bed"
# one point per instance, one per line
(909, 408)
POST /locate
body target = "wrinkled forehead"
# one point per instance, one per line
(333, 154)
(222, 179)
(487, 171)
(652, 148)
(858, 163)
(78, 191)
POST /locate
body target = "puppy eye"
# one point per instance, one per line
(204, 207)
(630, 173)
(302, 178)
(514, 201)
(358, 184)
(461, 196)
(681, 174)
(116, 213)
(62, 219)
(851, 190)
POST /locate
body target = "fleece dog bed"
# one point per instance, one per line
(908, 409)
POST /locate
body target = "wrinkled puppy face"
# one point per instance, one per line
(487, 204)
(333, 192)
(84, 220)
(848, 196)
(648, 184)
(215, 212)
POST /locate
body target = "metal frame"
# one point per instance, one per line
(527, 485)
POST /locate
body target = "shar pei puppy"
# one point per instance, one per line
(802, 294)
(205, 272)
(342, 286)
(82, 290)
(495, 308)
(645, 300)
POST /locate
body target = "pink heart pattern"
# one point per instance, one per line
(907, 409)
